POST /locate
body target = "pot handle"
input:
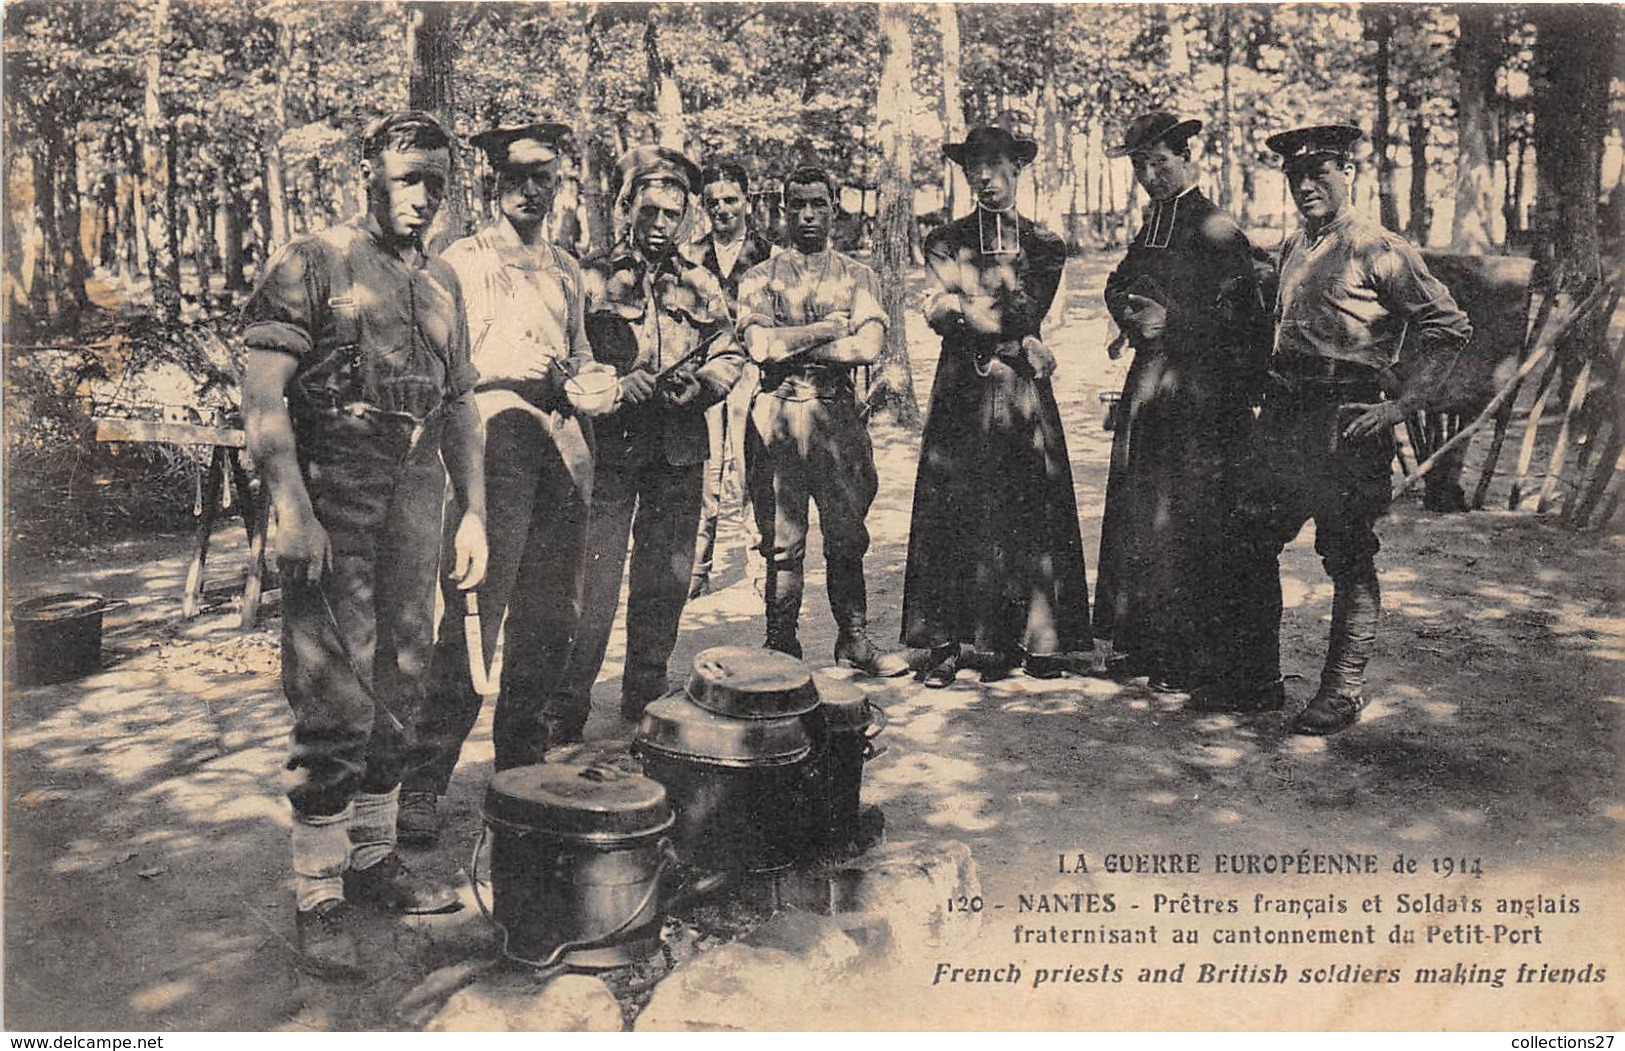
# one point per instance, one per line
(878, 720)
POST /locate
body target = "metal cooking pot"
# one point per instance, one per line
(59, 637)
(740, 784)
(852, 721)
(578, 855)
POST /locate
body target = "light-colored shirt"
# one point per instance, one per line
(525, 303)
(1350, 292)
(792, 289)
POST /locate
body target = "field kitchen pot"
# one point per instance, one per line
(739, 750)
(59, 637)
(852, 721)
(578, 855)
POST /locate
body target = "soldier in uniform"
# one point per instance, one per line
(662, 322)
(524, 298)
(809, 316)
(732, 248)
(1349, 290)
(357, 382)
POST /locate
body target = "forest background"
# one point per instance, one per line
(157, 151)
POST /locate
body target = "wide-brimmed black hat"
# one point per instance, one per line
(1148, 129)
(642, 164)
(991, 139)
(495, 141)
(1321, 140)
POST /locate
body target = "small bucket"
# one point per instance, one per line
(59, 637)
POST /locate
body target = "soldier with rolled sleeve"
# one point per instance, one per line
(356, 384)
(809, 317)
(662, 322)
(1348, 292)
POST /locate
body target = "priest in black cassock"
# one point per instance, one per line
(1188, 301)
(995, 576)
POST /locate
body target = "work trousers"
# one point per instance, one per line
(724, 471)
(814, 450)
(657, 506)
(1297, 468)
(356, 645)
(538, 477)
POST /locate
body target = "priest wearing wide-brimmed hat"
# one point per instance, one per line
(995, 576)
(1188, 302)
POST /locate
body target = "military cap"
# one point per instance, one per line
(495, 141)
(1322, 140)
(991, 139)
(1148, 129)
(643, 164)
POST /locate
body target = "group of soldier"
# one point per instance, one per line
(375, 371)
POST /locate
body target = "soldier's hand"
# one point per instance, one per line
(469, 553)
(1147, 315)
(1370, 418)
(840, 323)
(637, 386)
(302, 545)
(680, 388)
(1039, 357)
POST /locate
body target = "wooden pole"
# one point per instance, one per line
(1488, 413)
(1503, 419)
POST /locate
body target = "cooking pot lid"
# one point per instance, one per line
(845, 705)
(675, 724)
(749, 683)
(579, 799)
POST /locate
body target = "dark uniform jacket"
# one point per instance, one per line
(652, 317)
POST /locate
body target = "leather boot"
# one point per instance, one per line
(705, 547)
(1356, 605)
(784, 587)
(849, 602)
(321, 849)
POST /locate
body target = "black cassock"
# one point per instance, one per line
(1182, 427)
(995, 558)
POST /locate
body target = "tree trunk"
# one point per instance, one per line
(953, 108)
(1380, 28)
(1049, 210)
(894, 379)
(1421, 212)
(1474, 188)
(158, 150)
(431, 41)
(68, 261)
(42, 302)
(231, 229)
(1575, 53)
(1226, 150)
(1517, 188)
(663, 88)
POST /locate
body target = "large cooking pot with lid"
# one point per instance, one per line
(741, 782)
(578, 854)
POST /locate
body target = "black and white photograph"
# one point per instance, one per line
(784, 517)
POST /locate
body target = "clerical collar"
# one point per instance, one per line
(1006, 230)
(1159, 223)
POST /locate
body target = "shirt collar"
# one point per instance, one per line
(367, 224)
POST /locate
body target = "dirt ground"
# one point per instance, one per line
(146, 833)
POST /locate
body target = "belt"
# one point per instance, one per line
(1334, 370)
(822, 380)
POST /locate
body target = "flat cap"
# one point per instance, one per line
(496, 140)
(1334, 140)
(643, 164)
(991, 139)
(1151, 128)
